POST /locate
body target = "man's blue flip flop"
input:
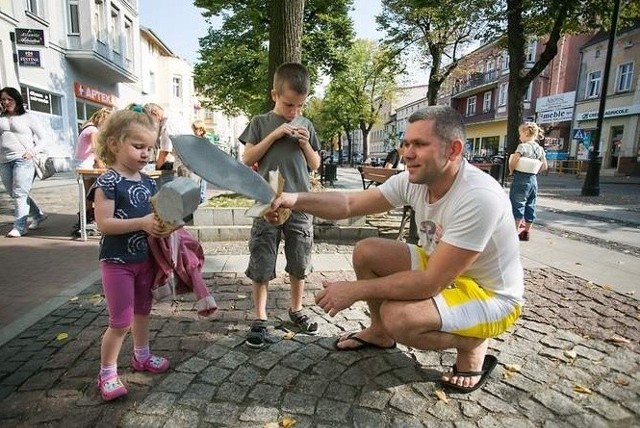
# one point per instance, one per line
(490, 363)
(362, 344)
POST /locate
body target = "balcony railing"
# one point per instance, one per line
(475, 80)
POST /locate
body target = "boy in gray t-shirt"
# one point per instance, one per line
(281, 139)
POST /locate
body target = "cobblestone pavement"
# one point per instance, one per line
(573, 360)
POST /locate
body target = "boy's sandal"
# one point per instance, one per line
(303, 322)
(257, 336)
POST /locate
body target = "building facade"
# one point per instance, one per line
(73, 57)
(619, 142)
(479, 87)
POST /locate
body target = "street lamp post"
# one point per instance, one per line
(591, 186)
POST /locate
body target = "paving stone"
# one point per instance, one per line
(608, 409)
(222, 414)
(590, 421)
(471, 409)
(266, 394)
(374, 398)
(363, 418)
(157, 403)
(180, 418)
(406, 400)
(228, 391)
(297, 361)
(281, 376)
(214, 375)
(341, 392)
(299, 403)
(42, 380)
(259, 414)
(193, 365)
(176, 382)
(245, 376)
(197, 395)
(589, 353)
(444, 411)
(134, 420)
(556, 402)
(330, 410)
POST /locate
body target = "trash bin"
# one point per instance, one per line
(496, 171)
(329, 173)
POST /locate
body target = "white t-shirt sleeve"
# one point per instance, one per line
(396, 189)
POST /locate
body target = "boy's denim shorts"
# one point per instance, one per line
(265, 240)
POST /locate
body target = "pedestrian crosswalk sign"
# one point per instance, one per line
(578, 134)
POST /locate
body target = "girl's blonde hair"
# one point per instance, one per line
(97, 118)
(118, 126)
(531, 130)
(198, 128)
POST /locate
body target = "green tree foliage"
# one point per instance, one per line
(438, 29)
(548, 20)
(233, 70)
(357, 94)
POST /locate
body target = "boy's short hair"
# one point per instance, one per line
(294, 76)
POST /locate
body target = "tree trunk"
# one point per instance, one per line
(285, 38)
(516, 90)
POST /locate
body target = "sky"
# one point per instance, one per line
(180, 30)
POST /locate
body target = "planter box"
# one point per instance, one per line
(230, 224)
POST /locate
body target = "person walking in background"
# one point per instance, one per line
(21, 137)
(200, 131)
(463, 285)
(394, 158)
(85, 158)
(125, 218)
(85, 148)
(282, 140)
(524, 164)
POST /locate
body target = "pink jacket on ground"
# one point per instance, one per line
(187, 270)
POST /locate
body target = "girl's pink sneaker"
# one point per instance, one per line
(111, 388)
(153, 364)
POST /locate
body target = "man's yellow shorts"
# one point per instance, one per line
(466, 309)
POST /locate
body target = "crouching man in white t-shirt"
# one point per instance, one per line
(462, 285)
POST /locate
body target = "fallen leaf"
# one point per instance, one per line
(607, 287)
(62, 336)
(621, 381)
(506, 375)
(73, 299)
(582, 389)
(288, 422)
(288, 335)
(513, 367)
(571, 354)
(442, 396)
(618, 339)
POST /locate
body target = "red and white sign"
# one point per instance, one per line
(92, 94)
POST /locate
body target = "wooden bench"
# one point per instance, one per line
(373, 175)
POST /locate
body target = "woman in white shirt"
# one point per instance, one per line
(20, 139)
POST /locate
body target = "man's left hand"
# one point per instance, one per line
(335, 297)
